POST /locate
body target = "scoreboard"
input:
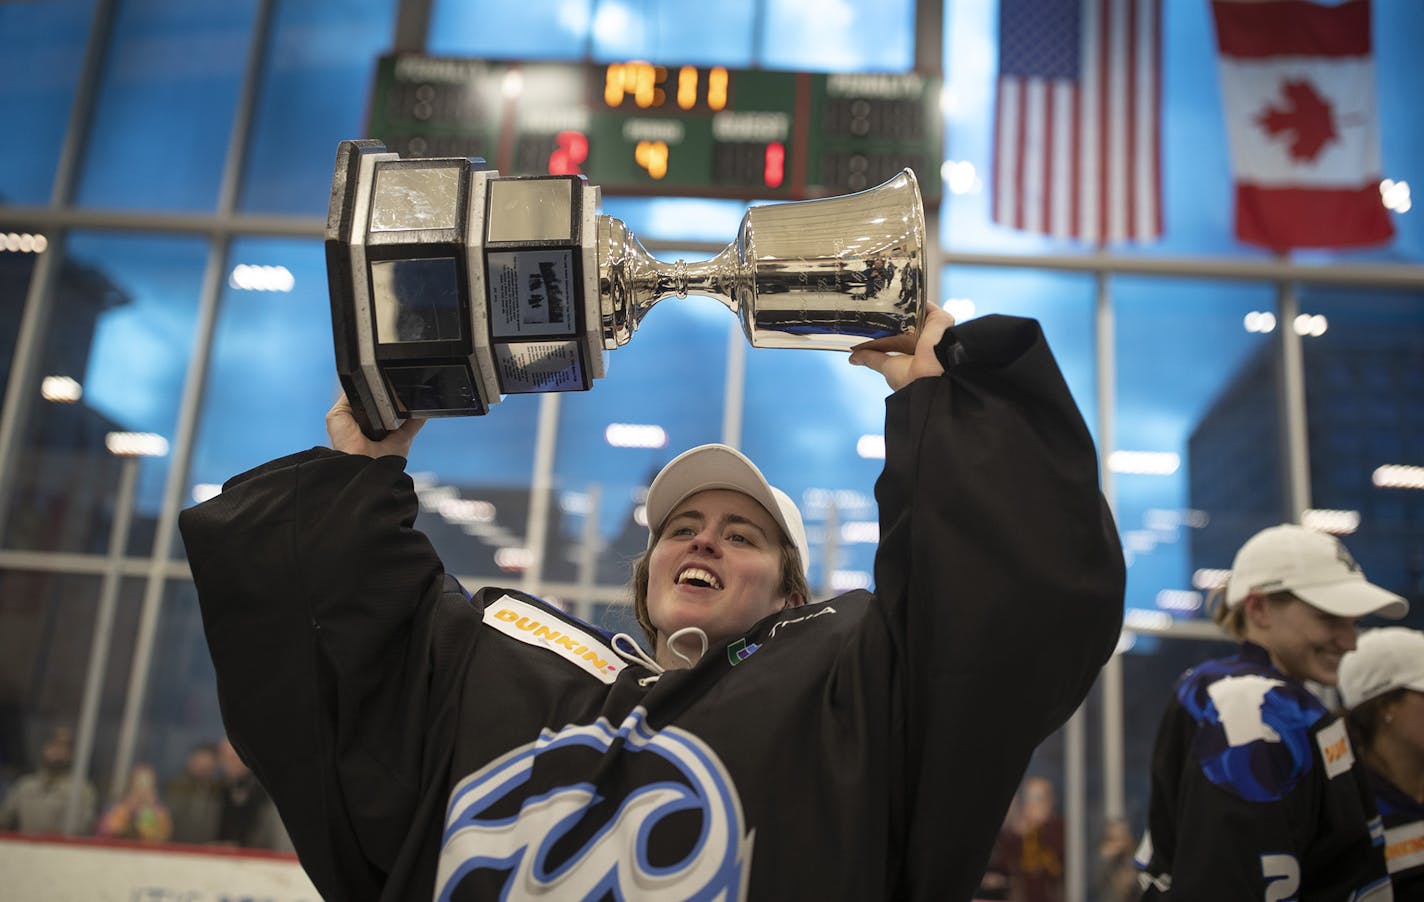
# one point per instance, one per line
(640, 128)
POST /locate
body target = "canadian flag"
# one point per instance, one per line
(1298, 81)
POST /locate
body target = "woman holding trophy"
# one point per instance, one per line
(420, 741)
(423, 741)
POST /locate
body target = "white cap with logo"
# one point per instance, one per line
(1313, 566)
(722, 467)
(1383, 660)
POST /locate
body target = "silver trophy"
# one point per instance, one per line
(452, 286)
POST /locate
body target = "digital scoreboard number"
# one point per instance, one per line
(640, 128)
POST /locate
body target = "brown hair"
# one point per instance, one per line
(1363, 720)
(793, 582)
(1233, 619)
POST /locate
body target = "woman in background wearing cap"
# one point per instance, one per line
(1256, 792)
(1382, 688)
(420, 741)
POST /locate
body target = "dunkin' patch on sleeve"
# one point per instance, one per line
(535, 626)
(1335, 749)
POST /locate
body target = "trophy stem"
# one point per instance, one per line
(631, 280)
(718, 278)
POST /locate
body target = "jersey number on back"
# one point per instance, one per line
(1282, 873)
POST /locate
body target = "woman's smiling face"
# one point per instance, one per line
(716, 566)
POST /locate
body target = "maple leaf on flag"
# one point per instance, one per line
(1306, 115)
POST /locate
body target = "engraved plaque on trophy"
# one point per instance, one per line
(452, 286)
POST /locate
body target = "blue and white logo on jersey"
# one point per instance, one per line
(503, 828)
(1253, 735)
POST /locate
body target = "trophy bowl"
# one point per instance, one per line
(452, 286)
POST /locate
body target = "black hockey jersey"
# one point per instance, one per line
(423, 742)
(1403, 820)
(1257, 794)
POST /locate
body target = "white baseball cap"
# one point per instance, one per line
(722, 467)
(1383, 660)
(1313, 566)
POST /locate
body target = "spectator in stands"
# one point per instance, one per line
(139, 814)
(195, 797)
(37, 803)
(1034, 846)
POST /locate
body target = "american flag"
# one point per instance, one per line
(1076, 135)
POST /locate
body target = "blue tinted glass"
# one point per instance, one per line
(122, 321)
(484, 464)
(314, 92)
(678, 219)
(670, 376)
(1399, 68)
(1364, 398)
(180, 711)
(41, 55)
(1193, 380)
(533, 29)
(672, 31)
(804, 417)
(164, 113)
(1062, 304)
(272, 369)
(839, 36)
(47, 642)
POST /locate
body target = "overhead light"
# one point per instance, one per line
(871, 447)
(205, 490)
(246, 277)
(1140, 541)
(1395, 195)
(959, 308)
(1145, 463)
(1340, 523)
(635, 435)
(136, 444)
(23, 243)
(1207, 579)
(1182, 600)
(960, 177)
(1260, 321)
(815, 502)
(849, 580)
(1313, 325)
(1398, 476)
(61, 389)
(465, 510)
(513, 559)
(862, 532)
(575, 502)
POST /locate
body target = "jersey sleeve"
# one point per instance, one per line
(325, 613)
(1000, 574)
(1256, 796)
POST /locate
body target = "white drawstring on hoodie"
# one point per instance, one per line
(635, 654)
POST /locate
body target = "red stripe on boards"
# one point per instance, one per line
(1280, 218)
(1265, 28)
